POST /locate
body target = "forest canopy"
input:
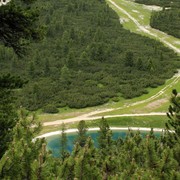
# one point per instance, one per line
(135, 157)
(81, 65)
(86, 58)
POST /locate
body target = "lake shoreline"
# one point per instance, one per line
(96, 129)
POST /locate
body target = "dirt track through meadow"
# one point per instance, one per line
(94, 114)
(91, 115)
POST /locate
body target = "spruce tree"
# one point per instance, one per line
(8, 109)
(63, 143)
(86, 163)
(25, 158)
(129, 59)
(82, 130)
(173, 124)
(105, 134)
(18, 28)
(18, 25)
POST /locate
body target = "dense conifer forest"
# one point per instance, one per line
(168, 19)
(134, 157)
(86, 58)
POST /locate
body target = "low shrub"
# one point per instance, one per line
(50, 108)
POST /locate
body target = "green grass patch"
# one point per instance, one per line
(145, 121)
(159, 104)
(64, 113)
(141, 108)
(137, 11)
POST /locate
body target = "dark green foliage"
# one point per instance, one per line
(63, 143)
(87, 58)
(17, 25)
(105, 134)
(82, 130)
(9, 82)
(135, 157)
(174, 119)
(168, 19)
(129, 61)
(18, 28)
(50, 108)
(82, 164)
(8, 109)
(26, 157)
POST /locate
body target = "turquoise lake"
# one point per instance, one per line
(53, 142)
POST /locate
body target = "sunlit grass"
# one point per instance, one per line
(162, 100)
(146, 121)
(66, 113)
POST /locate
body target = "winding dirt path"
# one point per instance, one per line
(94, 114)
(146, 29)
(90, 116)
(86, 117)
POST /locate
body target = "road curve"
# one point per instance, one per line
(94, 114)
(89, 118)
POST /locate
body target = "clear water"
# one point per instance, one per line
(53, 142)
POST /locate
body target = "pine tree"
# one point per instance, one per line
(173, 125)
(63, 143)
(18, 25)
(167, 164)
(17, 29)
(139, 64)
(31, 70)
(151, 154)
(47, 68)
(82, 130)
(129, 59)
(8, 114)
(84, 59)
(86, 163)
(25, 157)
(65, 74)
(105, 134)
(71, 59)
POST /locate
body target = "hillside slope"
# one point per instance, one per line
(87, 58)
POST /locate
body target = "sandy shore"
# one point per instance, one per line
(96, 129)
